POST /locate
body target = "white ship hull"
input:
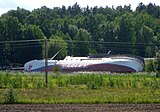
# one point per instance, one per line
(39, 65)
(100, 64)
(70, 64)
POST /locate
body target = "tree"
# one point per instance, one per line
(63, 11)
(126, 32)
(70, 44)
(82, 45)
(109, 33)
(42, 17)
(144, 24)
(32, 50)
(20, 13)
(141, 7)
(10, 30)
(65, 27)
(146, 34)
(57, 44)
(76, 9)
(73, 30)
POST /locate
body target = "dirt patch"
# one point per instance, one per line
(80, 107)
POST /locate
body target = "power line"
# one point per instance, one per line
(102, 42)
(33, 43)
(77, 41)
(21, 41)
(20, 44)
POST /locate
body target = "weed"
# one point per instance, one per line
(80, 88)
(16, 81)
(10, 96)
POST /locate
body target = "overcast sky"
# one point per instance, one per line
(6, 5)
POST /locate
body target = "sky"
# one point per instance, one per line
(6, 5)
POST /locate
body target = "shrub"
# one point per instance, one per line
(10, 96)
(4, 79)
(57, 69)
(110, 82)
(92, 85)
(150, 66)
(157, 61)
(16, 81)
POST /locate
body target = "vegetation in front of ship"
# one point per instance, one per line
(18, 87)
(153, 65)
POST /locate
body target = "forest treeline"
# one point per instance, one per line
(79, 31)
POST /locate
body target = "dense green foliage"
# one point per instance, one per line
(79, 31)
(157, 62)
(150, 66)
(79, 88)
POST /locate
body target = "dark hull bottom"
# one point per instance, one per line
(102, 67)
(96, 67)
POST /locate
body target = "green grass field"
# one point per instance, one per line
(16, 87)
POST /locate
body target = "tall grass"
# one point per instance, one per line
(10, 96)
(92, 81)
(82, 88)
(21, 80)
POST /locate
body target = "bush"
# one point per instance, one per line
(92, 85)
(157, 61)
(150, 66)
(4, 79)
(158, 74)
(57, 69)
(10, 96)
(16, 81)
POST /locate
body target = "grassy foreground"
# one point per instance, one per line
(79, 88)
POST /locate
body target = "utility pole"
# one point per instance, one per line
(46, 62)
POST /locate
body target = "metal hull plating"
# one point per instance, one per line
(101, 67)
(100, 64)
(39, 65)
(73, 64)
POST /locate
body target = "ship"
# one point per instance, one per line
(104, 63)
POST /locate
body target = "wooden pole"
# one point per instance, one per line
(46, 62)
